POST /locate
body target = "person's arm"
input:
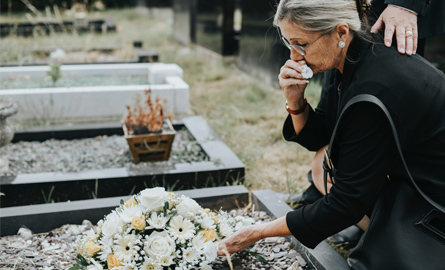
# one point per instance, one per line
(248, 236)
(312, 136)
(366, 153)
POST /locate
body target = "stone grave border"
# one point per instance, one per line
(224, 166)
(43, 218)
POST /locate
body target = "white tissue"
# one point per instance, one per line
(307, 72)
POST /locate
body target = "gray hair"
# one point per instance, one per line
(320, 16)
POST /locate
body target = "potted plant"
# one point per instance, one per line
(148, 132)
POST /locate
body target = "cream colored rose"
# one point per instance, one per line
(153, 198)
(138, 223)
(113, 262)
(208, 234)
(159, 244)
(91, 247)
(130, 202)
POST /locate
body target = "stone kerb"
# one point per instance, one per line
(97, 102)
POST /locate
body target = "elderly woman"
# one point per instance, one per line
(329, 34)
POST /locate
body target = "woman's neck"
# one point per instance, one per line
(343, 52)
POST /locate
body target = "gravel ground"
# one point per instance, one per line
(91, 154)
(56, 250)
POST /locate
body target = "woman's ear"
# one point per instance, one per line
(342, 31)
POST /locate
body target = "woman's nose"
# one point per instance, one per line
(295, 56)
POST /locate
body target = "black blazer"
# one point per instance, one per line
(364, 152)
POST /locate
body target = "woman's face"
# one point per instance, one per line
(322, 52)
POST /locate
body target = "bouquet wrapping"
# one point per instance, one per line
(156, 230)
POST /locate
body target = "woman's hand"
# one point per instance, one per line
(240, 240)
(250, 235)
(293, 83)
(403, 23)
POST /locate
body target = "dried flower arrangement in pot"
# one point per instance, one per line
(148, 132)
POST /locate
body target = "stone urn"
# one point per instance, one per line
(7, 108)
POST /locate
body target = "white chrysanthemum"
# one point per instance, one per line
(157, 221)
(111, 225)
(225, 229)
(128, 213)
(210, 251)
(166, 260)
(150, 264)
(188, 208)
(106, 250)
(159, 244)
(181, 228)
(190, 255)
(153, 199)
(198, 242)
(207, 222)
(126, 248)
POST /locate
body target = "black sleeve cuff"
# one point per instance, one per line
(312, 136)
(299, 229)
(418, 6)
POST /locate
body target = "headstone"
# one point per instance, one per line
(184, 21)
(261, 52)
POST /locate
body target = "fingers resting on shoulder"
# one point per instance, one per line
(403, 24)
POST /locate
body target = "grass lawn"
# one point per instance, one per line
(245, 112)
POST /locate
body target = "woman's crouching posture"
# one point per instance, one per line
(327, 34)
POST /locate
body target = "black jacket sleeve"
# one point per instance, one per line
(312, 136)
(366, 152)
(419, 6)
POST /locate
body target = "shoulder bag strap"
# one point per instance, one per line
(378, 102)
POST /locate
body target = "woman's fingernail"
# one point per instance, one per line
(387, 44)
(408, 51)
(401, 50)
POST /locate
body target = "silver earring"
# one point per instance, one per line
(341, 44)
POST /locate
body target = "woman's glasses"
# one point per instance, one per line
(298, 48)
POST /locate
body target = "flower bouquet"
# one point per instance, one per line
(156, 230)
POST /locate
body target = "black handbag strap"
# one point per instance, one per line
(378, 102)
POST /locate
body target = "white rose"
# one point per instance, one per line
(153, 199)
(188, 208)
(159, 245)
(111, 225)
(210, 251)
